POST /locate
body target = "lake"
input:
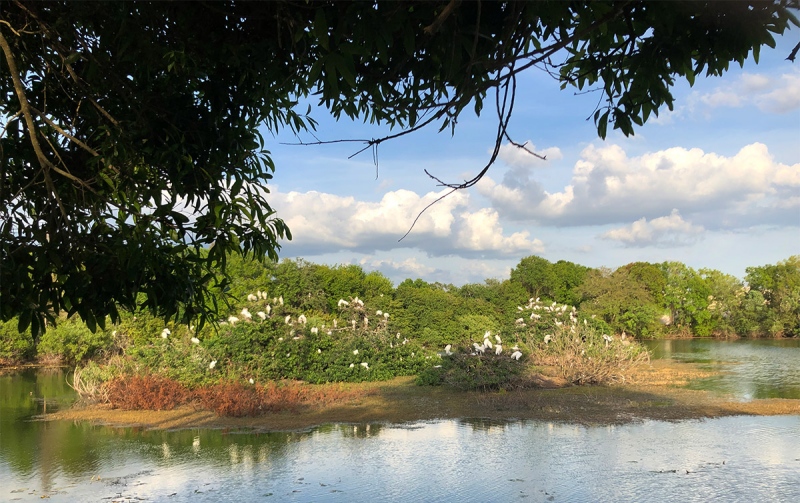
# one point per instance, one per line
(740, 458)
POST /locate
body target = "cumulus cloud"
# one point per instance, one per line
(608, 187)
(327, 223)
(666, 231)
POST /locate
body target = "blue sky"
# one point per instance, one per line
(714, 184)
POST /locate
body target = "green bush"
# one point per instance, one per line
(15, 346)
(73, 342)
(473, 372)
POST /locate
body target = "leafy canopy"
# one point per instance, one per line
(131, 163)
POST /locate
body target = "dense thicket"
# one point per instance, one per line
(640, 299)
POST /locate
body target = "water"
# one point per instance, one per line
(746, 369)
(739, 458)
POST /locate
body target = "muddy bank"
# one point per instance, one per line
(652, 392)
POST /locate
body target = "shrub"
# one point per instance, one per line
(474, 372)
(146, 392)
(73, 342)
(15, 346)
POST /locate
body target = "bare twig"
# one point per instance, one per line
(65, 134)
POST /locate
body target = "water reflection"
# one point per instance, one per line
(747, 369)
(729, 459)
(739, 458)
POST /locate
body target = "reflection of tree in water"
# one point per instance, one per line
(486, 425)
(359, 430)
(42, 448)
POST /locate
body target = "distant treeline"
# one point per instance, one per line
(641, 299)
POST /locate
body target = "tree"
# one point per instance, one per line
(131, 158)
(778, 288)
(621, 300)
(536, 275)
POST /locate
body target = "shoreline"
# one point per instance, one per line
(655, 393)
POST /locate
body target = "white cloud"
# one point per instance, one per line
(769, 93)
(671, 230)
(785, 97)
(480, 231)
(409, 266)
(722, 98)
(607, 186)
(326, 223)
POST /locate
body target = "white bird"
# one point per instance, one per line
(232, 320)
(252, 381)
(352, 365)
(354, 324)
(366, 322)
(342, 303)
(288, 319)
(386, 316)
(252, 298)
(497, 338)
(479, 347)
(355, 351)
(314, 330)
(365, 365)
(195, 340)
(548, 338)
(280, 300)
(319, 351)
(302, 319)
(487, 343)
(535, 316)
(516, 355)
(447, 350)
(269, 309)
(212, 364)
(262, 315)
(165, 333)
(498, 349)
(246, 314)
(335, 323)
(379, 313)
(487, 334)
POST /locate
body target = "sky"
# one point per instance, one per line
(715, 183)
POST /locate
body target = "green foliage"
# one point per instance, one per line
(73, 341)
(15, 346)
(123, 117)
(621, 301)
(474, 373)
(537, 276)
(779, 285)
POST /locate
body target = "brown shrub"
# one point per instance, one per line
(151, 392)
(236, 399)
(230, 399)
(147, 392)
